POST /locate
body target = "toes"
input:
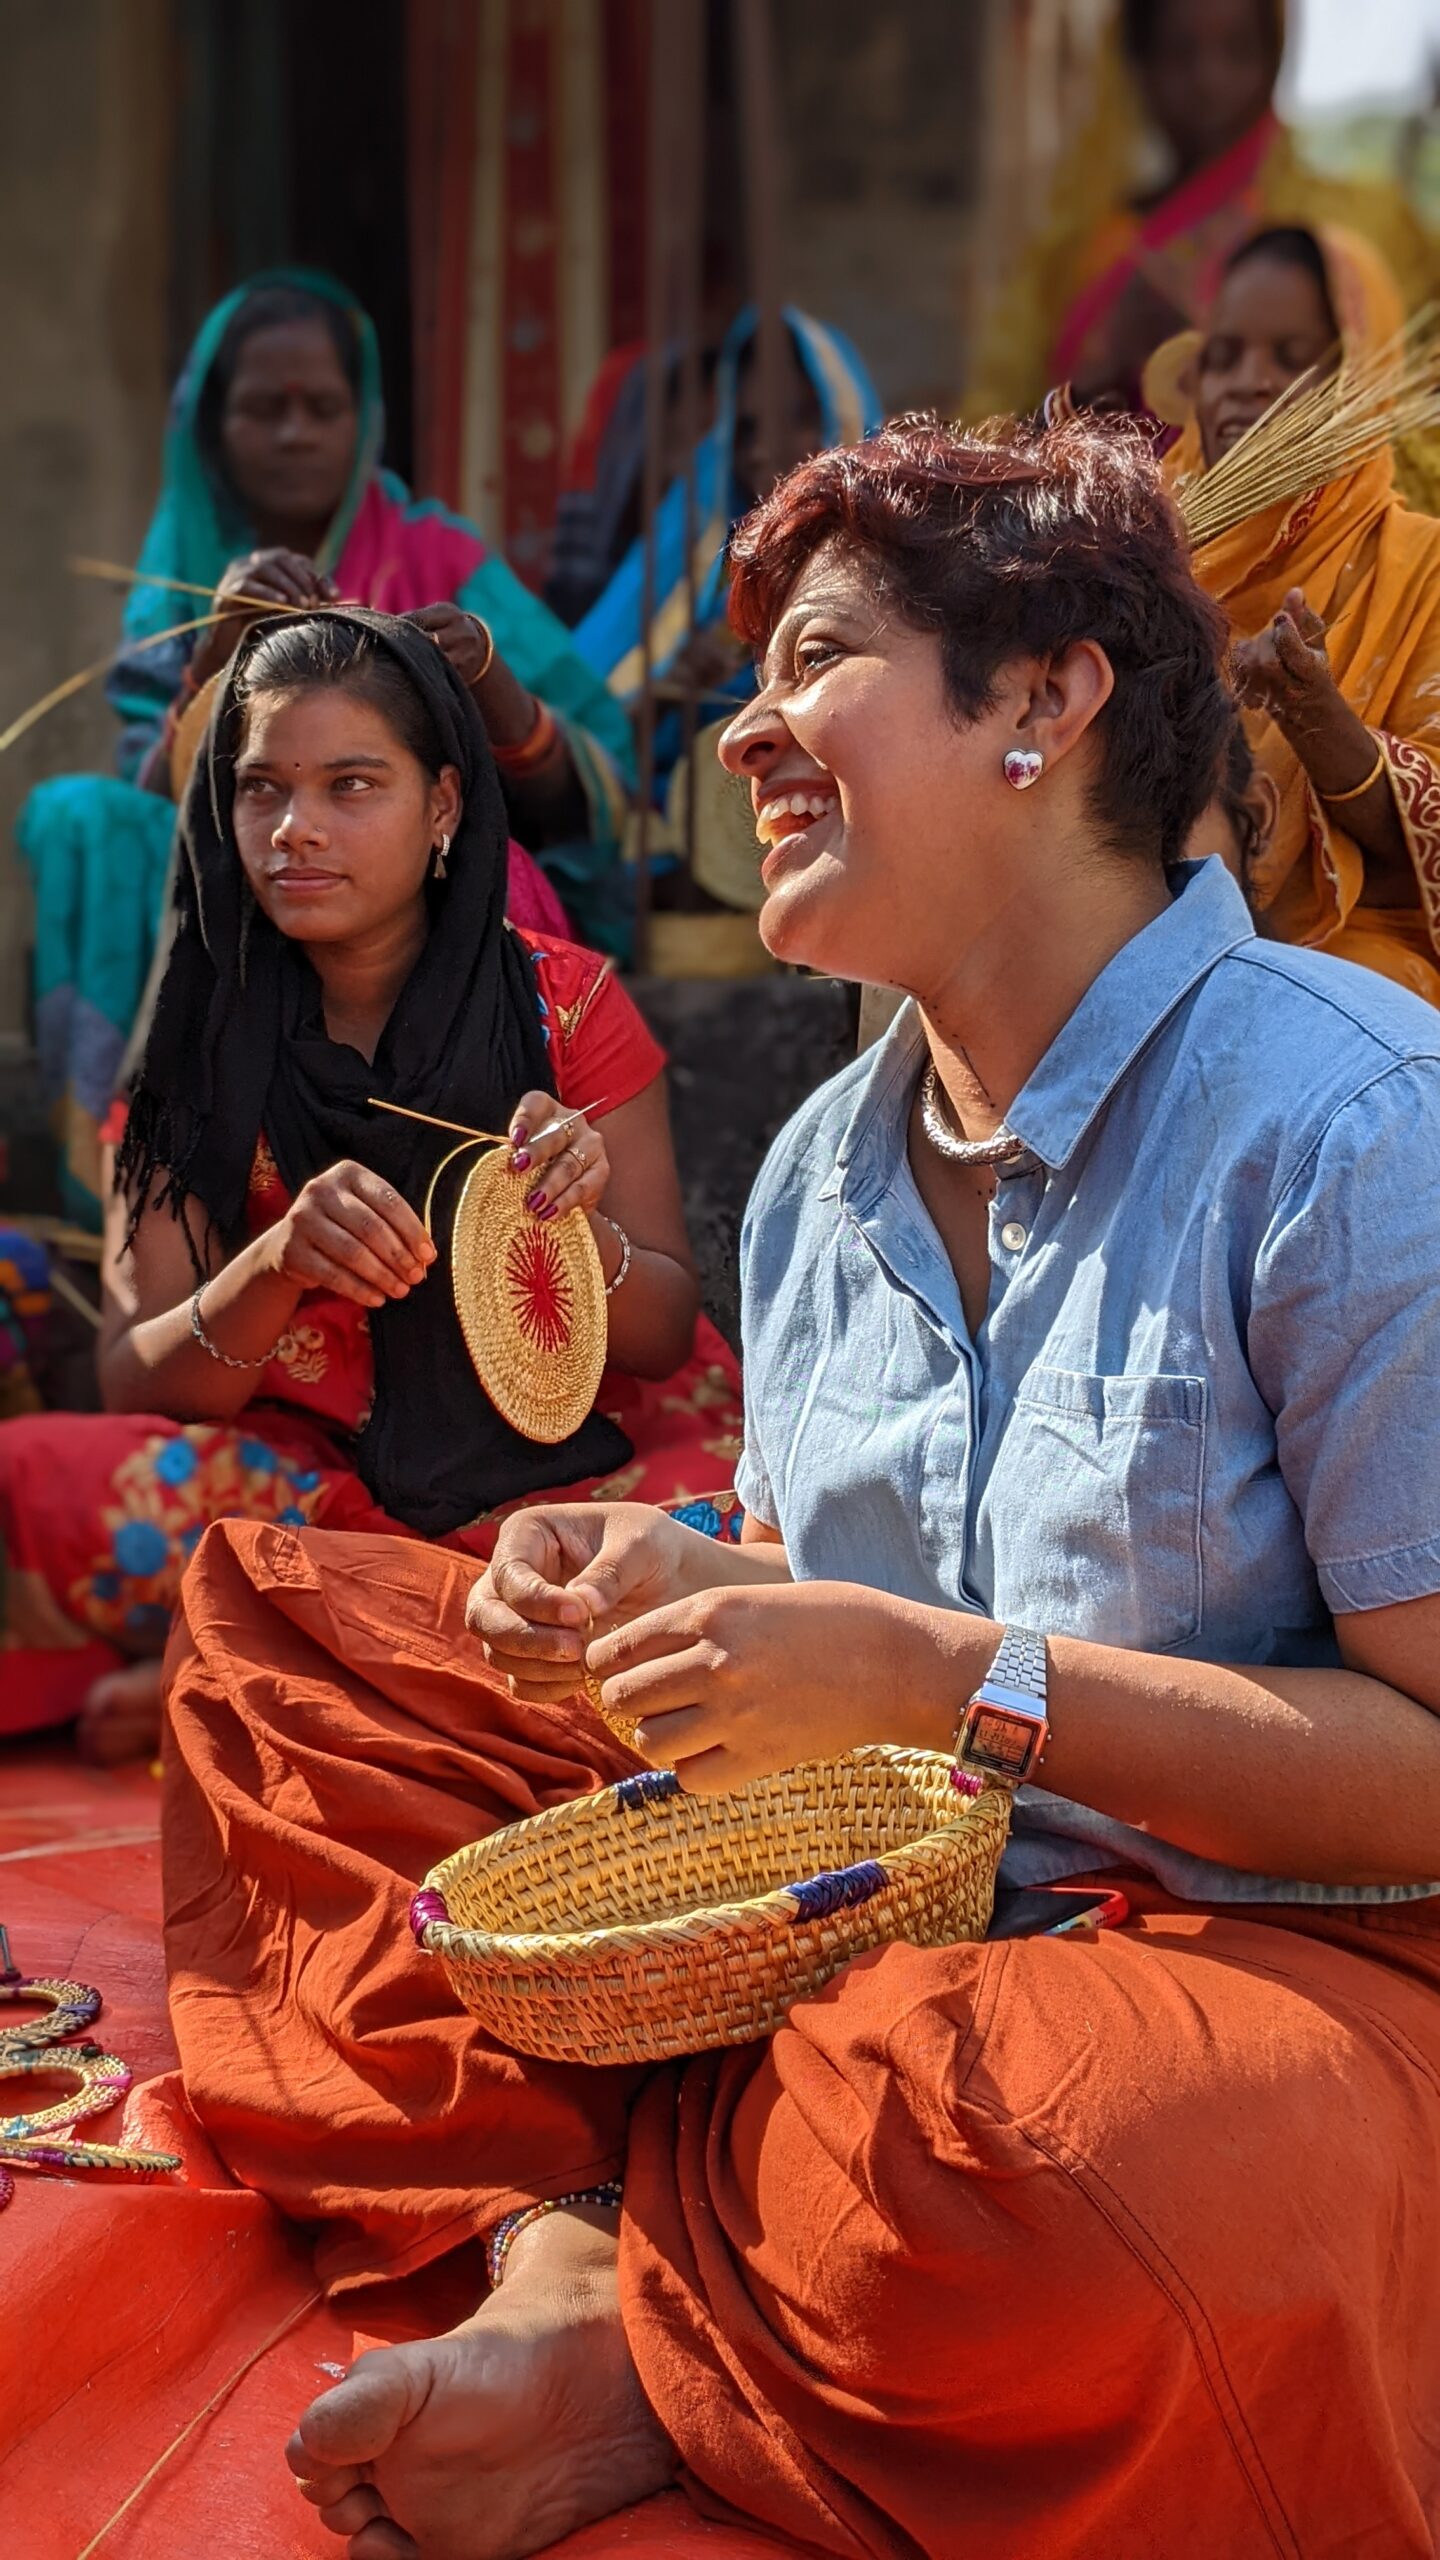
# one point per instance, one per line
(360, 2419)
(356, 2509)
(383, 2540)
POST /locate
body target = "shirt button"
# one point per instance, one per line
(1013, 1236)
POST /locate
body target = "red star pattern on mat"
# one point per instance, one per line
(540, 1286)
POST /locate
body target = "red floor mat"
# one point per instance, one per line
(129, 2304)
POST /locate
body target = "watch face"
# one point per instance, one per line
(1001, 1742)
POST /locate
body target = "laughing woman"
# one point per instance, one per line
(277, 1343)
(1093, 1351)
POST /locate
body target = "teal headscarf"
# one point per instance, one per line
(197, 529)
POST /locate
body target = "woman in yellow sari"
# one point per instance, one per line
(1179, 158)
(1334, 600)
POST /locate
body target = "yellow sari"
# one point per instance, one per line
(1046, 320)
(1370, 568)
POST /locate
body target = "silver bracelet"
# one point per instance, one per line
(623, 1274)
(203, 1338)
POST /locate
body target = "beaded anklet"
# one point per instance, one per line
(505, 2233)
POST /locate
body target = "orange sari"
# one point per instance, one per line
(1371, 569)
(1034, 2247)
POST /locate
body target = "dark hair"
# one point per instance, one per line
(1234, 789)
(1140, 22)
(301, 656)
(269, 306)
(1288, 244)
(1014, 546)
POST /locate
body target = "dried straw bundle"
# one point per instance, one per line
(1322, 428)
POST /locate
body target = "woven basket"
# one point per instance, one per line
(531, 1303)
(640, 1923)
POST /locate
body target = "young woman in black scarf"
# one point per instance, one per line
(278, 1340)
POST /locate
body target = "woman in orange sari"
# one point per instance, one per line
(1334, 601)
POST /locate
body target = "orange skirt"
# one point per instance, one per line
(1098, 2247)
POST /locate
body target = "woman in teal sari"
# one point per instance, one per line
(272, 488)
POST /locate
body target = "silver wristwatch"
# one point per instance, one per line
(1003, 1732)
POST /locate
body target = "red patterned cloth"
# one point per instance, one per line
(100, 1513)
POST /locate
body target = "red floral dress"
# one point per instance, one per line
(100, 1513)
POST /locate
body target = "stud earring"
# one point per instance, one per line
(441, 854)
(1022, 766)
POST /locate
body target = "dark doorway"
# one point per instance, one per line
(290, 148)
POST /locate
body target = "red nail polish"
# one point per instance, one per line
(535, 1199)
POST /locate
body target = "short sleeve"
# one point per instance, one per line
(1344, 1342)
(604, 1050)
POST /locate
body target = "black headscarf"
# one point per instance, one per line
(238, 1044)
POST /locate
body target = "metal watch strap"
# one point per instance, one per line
(1020, 1663)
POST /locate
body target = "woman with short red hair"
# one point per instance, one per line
(1092, 1434)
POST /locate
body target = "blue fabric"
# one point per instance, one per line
(98, 854)
(610, 635)
(1203, 1411)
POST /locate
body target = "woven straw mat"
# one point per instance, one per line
(531, 1303)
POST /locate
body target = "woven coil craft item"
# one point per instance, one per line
(530, 1297)
(640, 1923)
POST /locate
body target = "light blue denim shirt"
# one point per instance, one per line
(1203, 1410)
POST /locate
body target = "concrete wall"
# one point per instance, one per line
(879, 118)
(84, 202)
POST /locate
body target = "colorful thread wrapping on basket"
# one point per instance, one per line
(82, 2155)
(497, 2248)
(965, 1783)
(103, 2077)
(73, 2006)
(425, 1906)
(648, 1786)
(837, 1890)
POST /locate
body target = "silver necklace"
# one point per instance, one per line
(1003, 1148)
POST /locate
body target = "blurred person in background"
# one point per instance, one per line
(826, 397)
(1112, 273)
(272, 488)
(1334, 604)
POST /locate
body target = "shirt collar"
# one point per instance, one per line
(1133, 995)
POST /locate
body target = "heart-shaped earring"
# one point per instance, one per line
(1023, 765)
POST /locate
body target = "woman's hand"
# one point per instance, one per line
(1285, 672)
(262, 581)
(559, 1574)
(458, 636)
(351, 1232)
(731, 1685)
(568, 1168)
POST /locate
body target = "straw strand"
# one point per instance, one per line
(1320, 429)
(291, 2321)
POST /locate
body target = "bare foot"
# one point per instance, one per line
(500, 2438)
(120, 1719)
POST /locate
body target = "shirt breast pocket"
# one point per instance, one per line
(1096, 1503)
